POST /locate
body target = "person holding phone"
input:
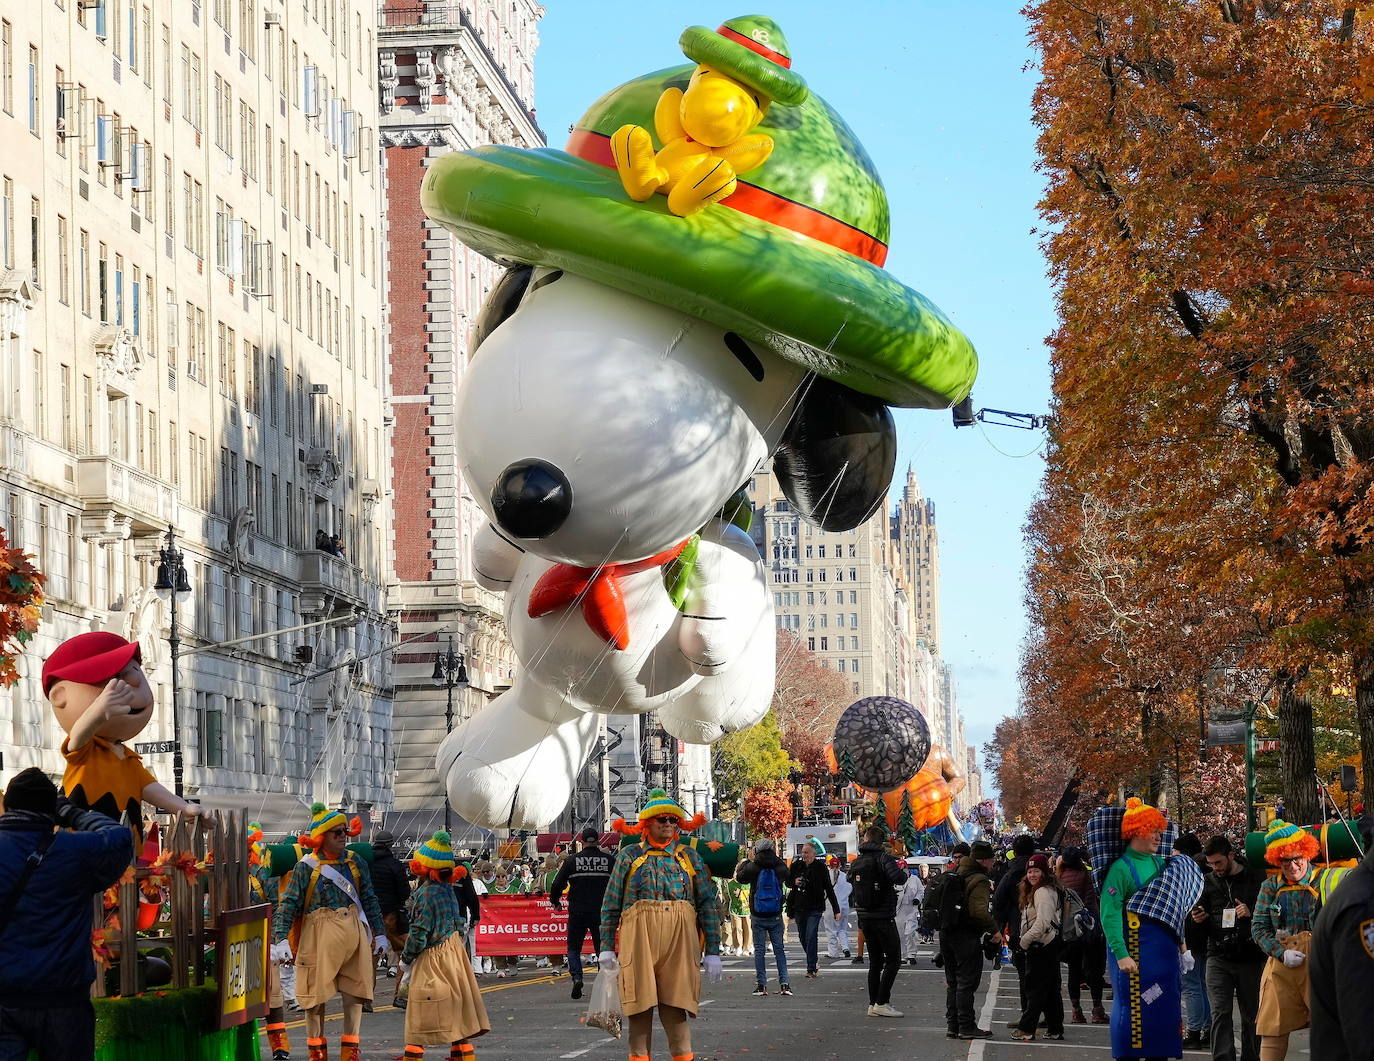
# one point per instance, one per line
(1234, 962)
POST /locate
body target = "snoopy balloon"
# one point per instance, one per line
(628, 374)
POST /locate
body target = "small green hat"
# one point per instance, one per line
(750, 49)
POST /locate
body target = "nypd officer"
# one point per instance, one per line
(1342, 967)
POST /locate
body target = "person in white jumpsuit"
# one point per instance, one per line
(909, 913)
(837, 930)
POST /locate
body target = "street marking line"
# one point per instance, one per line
(975, 1050)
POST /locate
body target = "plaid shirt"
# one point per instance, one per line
(326, 896)
(1105, 844)
(1283, 907)
(1168, 899)
(434, 915)
(661, 877)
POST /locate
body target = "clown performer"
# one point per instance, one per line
(264, 888)
(445, 1004)
(660, 898)
(1145, 900)
(1285, 912)
(101, 697)
(328, 921)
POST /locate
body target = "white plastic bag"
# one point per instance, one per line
(603, 1008)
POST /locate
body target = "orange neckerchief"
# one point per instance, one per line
(598, 589)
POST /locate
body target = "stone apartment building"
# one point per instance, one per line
(192, 335)
(452, 76)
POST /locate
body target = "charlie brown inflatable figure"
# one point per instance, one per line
(101, 697)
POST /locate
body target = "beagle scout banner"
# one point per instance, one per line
(523, 924)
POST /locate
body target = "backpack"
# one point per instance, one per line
(1076, 921)
(768, 894)
(953, 905)
(869, 882)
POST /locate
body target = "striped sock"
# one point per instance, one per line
(349, 1050)
(319, 1049)
(462, 1052)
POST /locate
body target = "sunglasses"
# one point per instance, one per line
(1293, 858)
(665, 818)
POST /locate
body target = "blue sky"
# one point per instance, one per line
(940, 96)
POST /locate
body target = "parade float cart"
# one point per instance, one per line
(181, 951)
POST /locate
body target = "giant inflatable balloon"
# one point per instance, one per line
(928, 795)
(880, 742)
(643, 355)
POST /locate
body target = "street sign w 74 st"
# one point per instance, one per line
(155, 747)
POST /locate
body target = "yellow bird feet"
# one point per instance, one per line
(707, 181)
(633, 150)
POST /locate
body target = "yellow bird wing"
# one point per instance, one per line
(748, 152)
(667, 116)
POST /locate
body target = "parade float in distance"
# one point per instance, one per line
(694, 287)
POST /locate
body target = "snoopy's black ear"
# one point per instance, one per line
(500, 304)
(836, 459)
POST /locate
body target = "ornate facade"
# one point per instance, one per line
(450, 76)
(191, 335)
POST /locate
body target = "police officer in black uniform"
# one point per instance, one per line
(1341, 966)
(585, 876)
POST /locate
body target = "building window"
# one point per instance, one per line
(825, 641)
(33, 90)
(842, 666)
(811, 644)
(7, 225)
(6, 66)
(36, 241)
(64, 282)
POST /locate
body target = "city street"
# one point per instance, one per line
(533, 1019)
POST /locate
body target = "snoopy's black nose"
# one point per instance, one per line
(531, 499)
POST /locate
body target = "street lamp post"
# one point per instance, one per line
(450, 672)
(173, 587)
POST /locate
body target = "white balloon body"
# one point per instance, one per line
(654, 422)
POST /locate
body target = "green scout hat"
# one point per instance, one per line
(750, 49)
(791, 260)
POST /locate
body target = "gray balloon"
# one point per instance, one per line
(881, 742)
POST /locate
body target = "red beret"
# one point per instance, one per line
(89, 659)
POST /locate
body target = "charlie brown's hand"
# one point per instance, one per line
(116, 699)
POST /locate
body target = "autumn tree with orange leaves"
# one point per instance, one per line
(1206, 531)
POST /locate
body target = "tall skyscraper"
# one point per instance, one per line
(452, 76)
(191, 335)
(918, 545)
(832, 590)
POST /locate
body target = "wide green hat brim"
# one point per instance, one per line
(830, 311)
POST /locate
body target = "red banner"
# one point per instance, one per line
(523, 924)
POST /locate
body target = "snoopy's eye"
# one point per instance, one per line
(745, 355)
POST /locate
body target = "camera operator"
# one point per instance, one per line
(47, 880)
(1234, 962)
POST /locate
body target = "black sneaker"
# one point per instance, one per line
(760, 990)
(1192, 1041)
(951, 1033)
(976, 1033)
(856, 961)
(911, 960)
(281, 1055)
(784, 989)
(577, 989)
(367, 1006)
(846, 954)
